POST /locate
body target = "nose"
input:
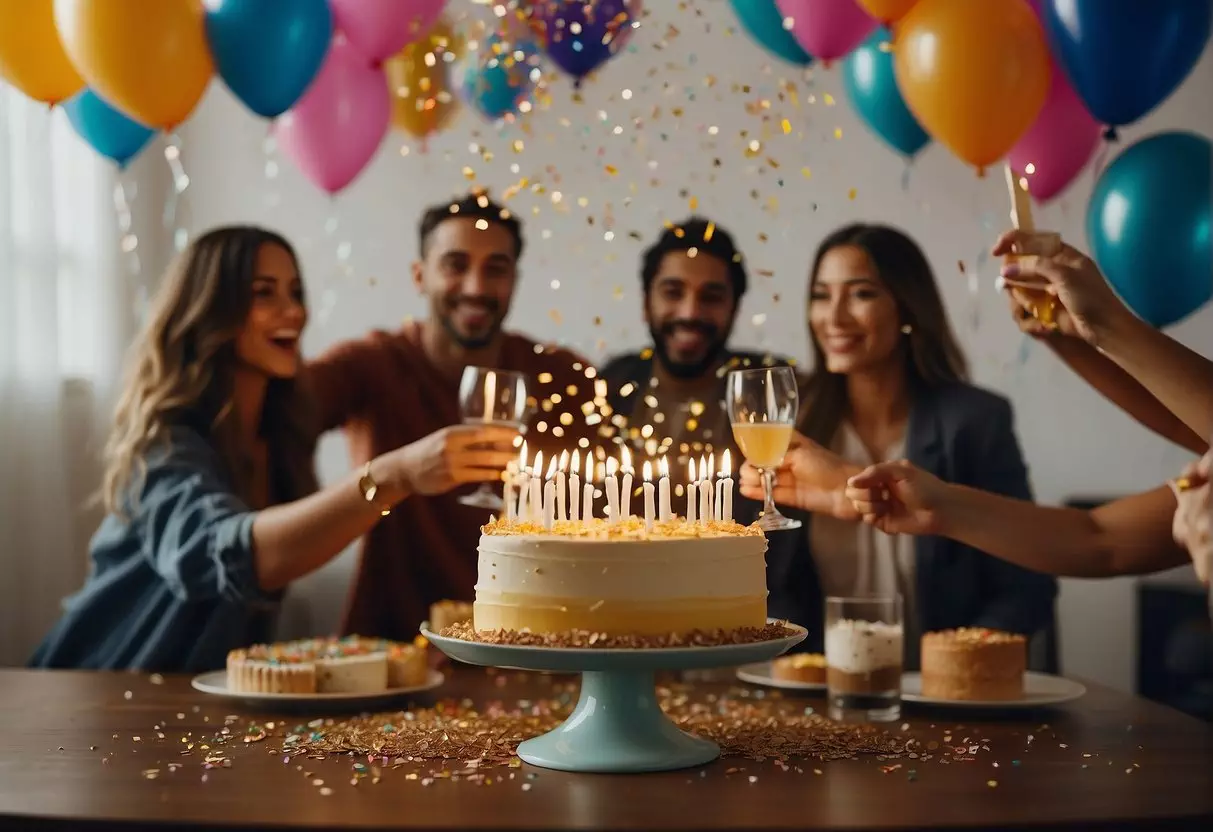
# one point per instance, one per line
(294, 312)
(838, 311)
(689, 309)
(474, 283)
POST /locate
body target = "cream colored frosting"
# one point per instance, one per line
(863, 646)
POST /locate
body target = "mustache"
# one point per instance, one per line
(702, 327)
(487, 304)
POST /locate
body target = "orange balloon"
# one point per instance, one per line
(887, 11)
(419, 77)
(148, 58)
(975, 75)
(31, 56)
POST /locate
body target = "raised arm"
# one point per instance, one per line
(340, 381)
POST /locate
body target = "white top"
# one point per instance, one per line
(855, 559)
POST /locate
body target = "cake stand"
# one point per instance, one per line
(618, 725)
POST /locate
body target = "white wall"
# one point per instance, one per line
(681, 136)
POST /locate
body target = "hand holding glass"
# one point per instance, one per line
(763, 404)
(492, 397)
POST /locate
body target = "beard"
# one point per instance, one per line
(471, 340)
(682, 369)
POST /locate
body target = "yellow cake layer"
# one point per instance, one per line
(547, 614)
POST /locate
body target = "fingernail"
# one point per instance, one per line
(1010, 270)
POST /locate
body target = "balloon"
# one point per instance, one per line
(107, 131)
(975, 75)
(419, 78)
(1124, 57)
(31, 55)
(381, 28)
(581, 35)
(1148, 224)
(827, 29)
(499, 76)
(149, 60)
(267, 51)
(761, 18)
(871, 84)
(887, 11)
(339, 123)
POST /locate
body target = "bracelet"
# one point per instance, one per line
(370, 490)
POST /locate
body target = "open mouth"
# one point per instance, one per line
(288, 341)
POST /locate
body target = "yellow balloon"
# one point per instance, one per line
(148, 58)
(419, 78)
(31, 56)
(975, 75)
(887, 11)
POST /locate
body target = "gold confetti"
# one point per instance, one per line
(787, 126)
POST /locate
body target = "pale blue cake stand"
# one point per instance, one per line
(618, 725)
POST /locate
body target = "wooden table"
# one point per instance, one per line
(76, 750)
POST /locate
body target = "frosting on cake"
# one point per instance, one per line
(863, 646)
(973, 663)
(620, 578)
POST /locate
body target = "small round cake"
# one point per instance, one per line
(809, 668)
(352, 664)
(973, 664)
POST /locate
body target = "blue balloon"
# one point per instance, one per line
(268, 51)
(1124, 57)
(763, 20)
(867, 74)
(1148, 223)
(499, 76)
(107, 131)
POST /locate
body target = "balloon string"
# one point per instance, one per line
(176, 219)
(269, 149)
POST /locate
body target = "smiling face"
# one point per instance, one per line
(269, 339)
(690, 310)
(853, 317)
(468, 273)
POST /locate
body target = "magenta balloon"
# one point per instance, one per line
(827, 29)
(381, 28)
(338, 125)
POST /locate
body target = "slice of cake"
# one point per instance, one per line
(318, 665)
(406, 665)
(973, 663)
(620, 579)
(447, 613)
(809, 668)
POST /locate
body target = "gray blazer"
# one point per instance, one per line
(961, 434)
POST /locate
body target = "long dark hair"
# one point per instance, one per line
(932, 357)
(181, 372)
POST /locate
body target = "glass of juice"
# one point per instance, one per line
(763, 404)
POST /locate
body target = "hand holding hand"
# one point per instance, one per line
(898, 498)
(810, 478)
(1090, 307)
(1194, 515)
(451, 457)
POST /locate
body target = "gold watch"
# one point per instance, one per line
(370, 490)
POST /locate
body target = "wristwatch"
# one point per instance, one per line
(370, 490)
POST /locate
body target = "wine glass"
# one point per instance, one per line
(763, 404)
(492, 397)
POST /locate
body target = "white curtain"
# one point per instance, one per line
(65, 317)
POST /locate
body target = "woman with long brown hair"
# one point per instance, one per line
(889, 381)
(212, 500)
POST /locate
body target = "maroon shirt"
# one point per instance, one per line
(385, 393)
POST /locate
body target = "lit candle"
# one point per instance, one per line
(612, 490)
(648, 496)
(549, 496)
(587, 501)
(625, 492)
(523, 486)
(536, 508)
(575, 489)
(511, 474)
(705, 493)
(561, 494)
(663, 491)
(727, 474)
(691, 495)
(711, 476)
(490, 396)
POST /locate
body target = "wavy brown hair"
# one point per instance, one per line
(181, 370)
(932, 355)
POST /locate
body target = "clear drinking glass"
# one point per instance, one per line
(492, 397)
(763, 404)
(865, 651)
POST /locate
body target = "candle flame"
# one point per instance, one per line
(612, 466)
(703, 468)
(711, 466)
(726, 465)
(537, 470)
(564, 460)
(577, 463)
(663, 466)
(648, 471)
(625, 458)
(522, 455)
(691, 465)
(551, 468)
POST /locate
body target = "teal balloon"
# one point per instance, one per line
(1148, 223)
(498, 77)
(867, 74)
(106, 130)
(764, 23)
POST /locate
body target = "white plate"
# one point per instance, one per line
(215, 683)
(1038, 689)
(759, 673)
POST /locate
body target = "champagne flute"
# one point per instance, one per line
(763, 404)
(492, 397)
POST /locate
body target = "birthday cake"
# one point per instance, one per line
(326, 665)
(973, 663)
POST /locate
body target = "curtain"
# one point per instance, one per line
(65, 316)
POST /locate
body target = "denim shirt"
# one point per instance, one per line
(172, 587)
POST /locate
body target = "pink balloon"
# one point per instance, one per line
(332, 133)
(827, 29)
(381, 28)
